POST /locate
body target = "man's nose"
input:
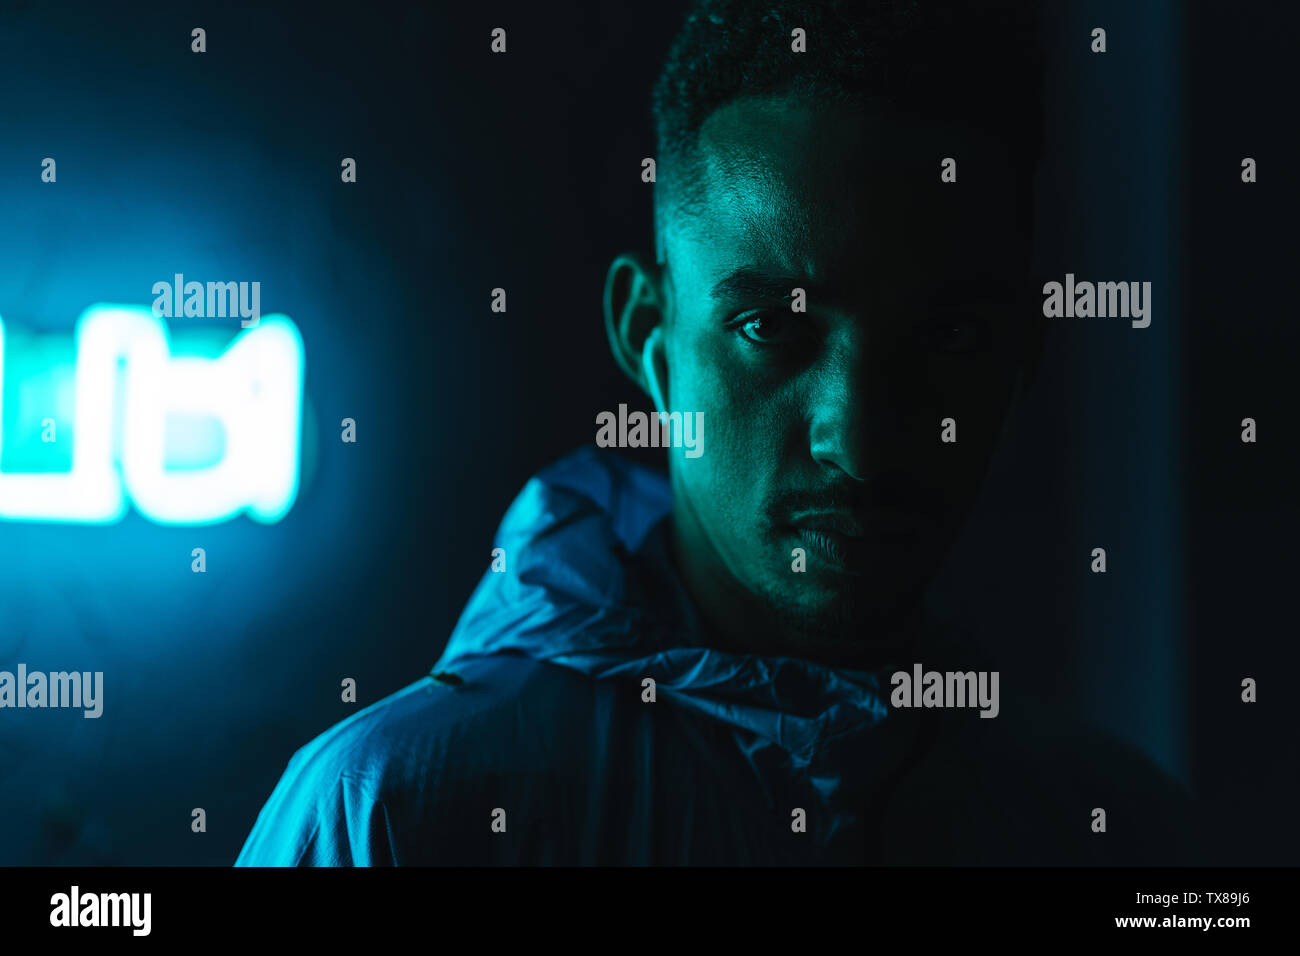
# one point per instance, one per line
(857, 404)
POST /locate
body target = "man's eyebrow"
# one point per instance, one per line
(750, 283)
(955, 293)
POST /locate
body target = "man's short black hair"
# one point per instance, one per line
(976, 62)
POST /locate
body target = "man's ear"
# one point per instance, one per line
(634, 313)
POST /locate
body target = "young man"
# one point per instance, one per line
(706, 669)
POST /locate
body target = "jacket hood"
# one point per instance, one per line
(588, 584)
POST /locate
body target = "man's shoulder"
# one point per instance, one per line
(1038, 786)
(441, 745)
(479, 695)
(1038, 783)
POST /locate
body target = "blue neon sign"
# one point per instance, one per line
(130, 390)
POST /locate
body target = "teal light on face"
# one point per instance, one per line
(186, 438)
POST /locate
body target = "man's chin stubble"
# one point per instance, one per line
(845, 630)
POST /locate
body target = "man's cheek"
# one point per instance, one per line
(708, 401)
(690, 384)
(724, 388)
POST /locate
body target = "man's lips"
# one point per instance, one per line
(854, 541)
(858, 524)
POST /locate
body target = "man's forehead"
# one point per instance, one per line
(815, 189)
(771, 170)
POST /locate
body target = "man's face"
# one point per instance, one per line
(823, 430)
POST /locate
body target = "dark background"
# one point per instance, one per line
(523, 171)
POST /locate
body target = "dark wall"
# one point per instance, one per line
(1240, 348)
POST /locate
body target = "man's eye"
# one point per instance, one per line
(957, 336)
(766, 328)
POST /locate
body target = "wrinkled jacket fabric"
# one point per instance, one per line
(532, 741)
